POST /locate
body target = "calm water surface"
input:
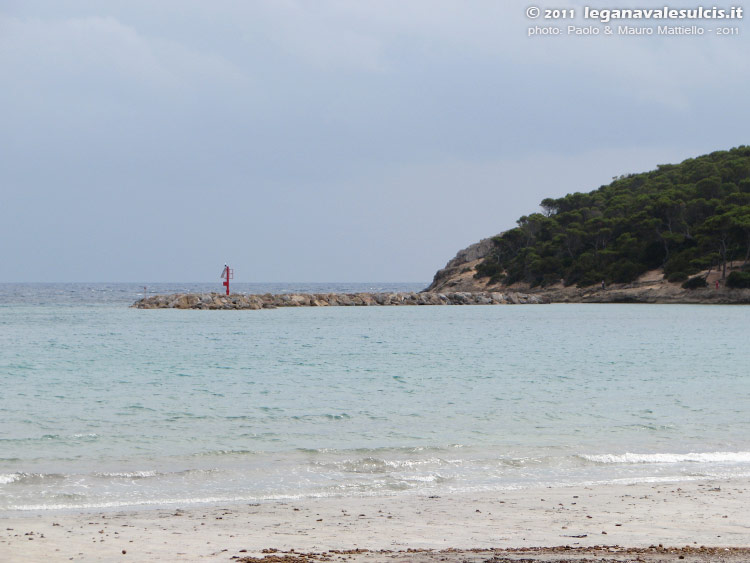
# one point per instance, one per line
(106, 406)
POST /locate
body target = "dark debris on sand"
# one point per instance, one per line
(562, 554)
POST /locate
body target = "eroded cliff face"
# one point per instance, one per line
(458, 273)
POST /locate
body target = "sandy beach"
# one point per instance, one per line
(596, 523)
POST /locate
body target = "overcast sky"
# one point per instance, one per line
(324, 140)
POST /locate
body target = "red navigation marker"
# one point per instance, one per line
(227, 274)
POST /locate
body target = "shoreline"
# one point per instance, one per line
(688, 515)
(664, 294)
(652, 287)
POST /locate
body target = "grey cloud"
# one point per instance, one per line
(295, 135)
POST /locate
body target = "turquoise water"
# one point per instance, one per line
(106, 406)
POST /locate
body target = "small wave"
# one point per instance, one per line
(212, 453)
(6, 478)
(341, 416)
(315, 417)
(384, 451)
(376, 465)
(648, 427)
(48, 437)
(128, 474)
(707, 457)
(36, 478)
(366, 465)
(431, 478)
(126, 503)
(26, 478)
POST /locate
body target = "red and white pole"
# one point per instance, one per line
(227, 275)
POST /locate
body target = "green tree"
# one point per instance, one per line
(680, 217)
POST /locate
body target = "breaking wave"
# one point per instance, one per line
(707, 457)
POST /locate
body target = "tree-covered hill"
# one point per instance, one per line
(684, 218)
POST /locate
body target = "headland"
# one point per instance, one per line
(460, 275)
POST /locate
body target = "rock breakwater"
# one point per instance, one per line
(272, 301)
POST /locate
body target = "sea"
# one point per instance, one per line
(103, 406)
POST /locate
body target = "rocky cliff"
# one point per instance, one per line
(458, 273)
(652, 287)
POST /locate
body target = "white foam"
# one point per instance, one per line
(6, 478)
(162, 502)
(129, 474)
(705, 457)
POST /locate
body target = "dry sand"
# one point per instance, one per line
(478, 525)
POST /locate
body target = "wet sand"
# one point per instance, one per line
(595, 522)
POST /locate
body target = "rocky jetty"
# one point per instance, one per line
(271, 301)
